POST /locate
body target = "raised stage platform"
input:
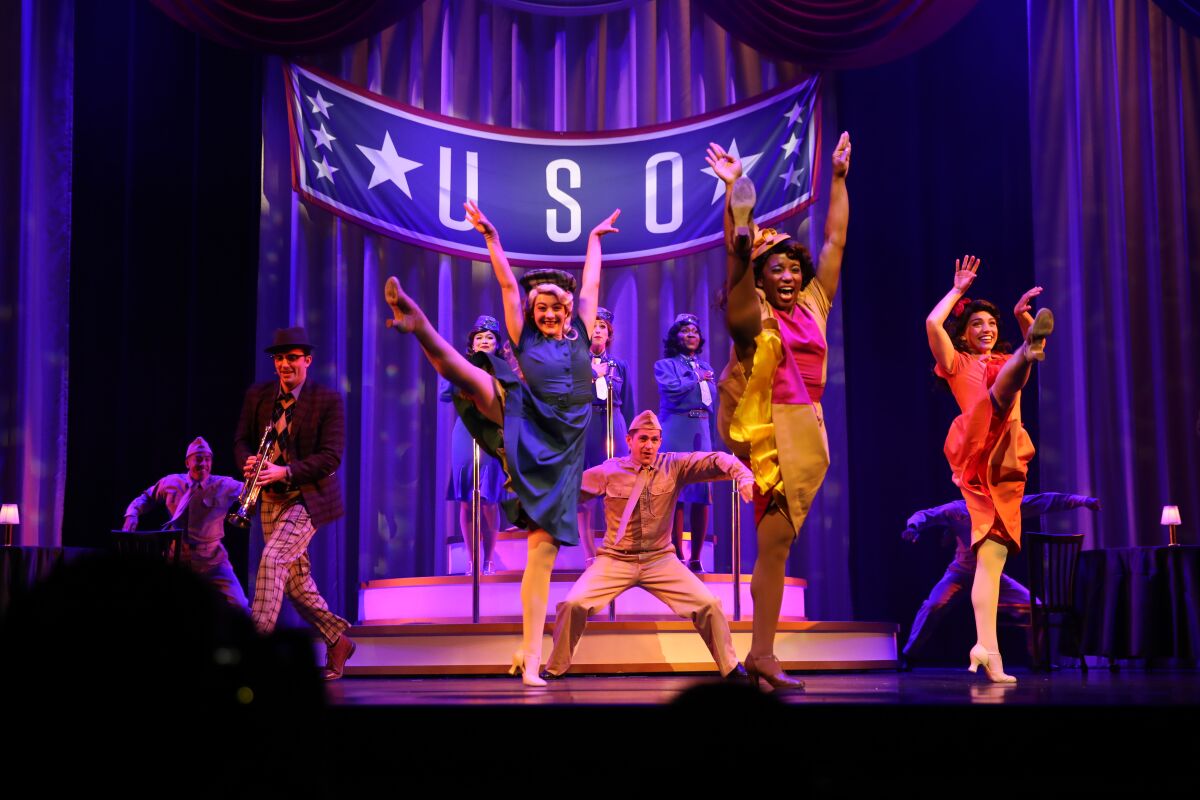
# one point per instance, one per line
(422, 626)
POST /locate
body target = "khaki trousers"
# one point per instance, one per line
(666, 578)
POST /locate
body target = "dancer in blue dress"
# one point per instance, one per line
(610, 380)
(484, 337)
(537, 427)
(688, 393)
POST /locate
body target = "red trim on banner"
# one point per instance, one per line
(539, 134)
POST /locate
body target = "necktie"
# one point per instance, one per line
(183, 511)
(194, 515)
(639, 486)
(282, 420)
(601, 381)
(705, 392)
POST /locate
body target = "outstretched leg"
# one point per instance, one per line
(476, 383)
(1015, 374)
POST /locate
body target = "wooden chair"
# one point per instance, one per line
(164, 545)
(1052, 559)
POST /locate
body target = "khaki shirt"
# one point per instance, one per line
(648, 533)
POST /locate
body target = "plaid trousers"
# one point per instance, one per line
(284, 569)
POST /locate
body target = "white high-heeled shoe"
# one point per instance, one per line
(981, 657)
(527, 667)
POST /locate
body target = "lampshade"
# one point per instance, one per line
(1170, 515)
(9, 514)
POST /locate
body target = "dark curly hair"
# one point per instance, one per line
(671, 346)
(956, 328)
(794, 250)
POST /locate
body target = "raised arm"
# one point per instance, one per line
(589, 287)
(933, 518)
(829, 263)
(742, 313)
(700, 467)
(594, 484)
(940, 345)
(1024, 309)
(1050, 502)
(149, 499)
(510, 290)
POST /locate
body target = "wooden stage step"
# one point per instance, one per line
(621, 647)
(449, 597)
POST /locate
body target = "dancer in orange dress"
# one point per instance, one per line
(987, 447)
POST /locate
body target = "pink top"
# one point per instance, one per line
(800, 378)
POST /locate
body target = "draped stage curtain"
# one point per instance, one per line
(36, 50)
(1114, 102)
(648, 63)
(847, 34)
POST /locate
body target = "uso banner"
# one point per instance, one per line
(406, 172)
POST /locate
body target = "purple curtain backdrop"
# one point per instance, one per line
(36, 42)
(1114, 100)
(824, 35)
(285, 26)
(1185, 13)
(651, 63)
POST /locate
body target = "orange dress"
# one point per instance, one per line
(988, 453)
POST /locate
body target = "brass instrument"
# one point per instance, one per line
(243, 507)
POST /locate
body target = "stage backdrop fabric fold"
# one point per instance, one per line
(37, 46)
(1114, 100)
(650, 63)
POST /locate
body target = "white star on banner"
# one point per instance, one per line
(793, 176)
(794, 114)
(747, 163)
(789, 146)
(325, 138)
(319, 104)
(389, 165)
(324, 170)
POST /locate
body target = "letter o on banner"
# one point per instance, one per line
(652, 223)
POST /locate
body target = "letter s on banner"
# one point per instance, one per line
(652, 223)
(444, 182)
(576, 180)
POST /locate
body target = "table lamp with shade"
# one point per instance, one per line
(9, 516)
(1170, 517)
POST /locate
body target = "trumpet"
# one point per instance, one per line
(243, 507)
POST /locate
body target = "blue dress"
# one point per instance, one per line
(687, 422)
(462, 458)
(541, 444)
(596, 450)
(622, 395)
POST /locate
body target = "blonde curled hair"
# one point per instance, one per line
(561, 295)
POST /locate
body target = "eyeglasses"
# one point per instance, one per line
(291, 358)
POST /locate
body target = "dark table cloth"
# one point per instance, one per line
(1140, 602)
(23, 567)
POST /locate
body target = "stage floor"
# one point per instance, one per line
(937, 687)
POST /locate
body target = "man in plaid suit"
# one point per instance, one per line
(300, 490)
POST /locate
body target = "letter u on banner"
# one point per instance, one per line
(445, 182)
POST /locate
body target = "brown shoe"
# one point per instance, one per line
(768, 669)
(337, 655)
